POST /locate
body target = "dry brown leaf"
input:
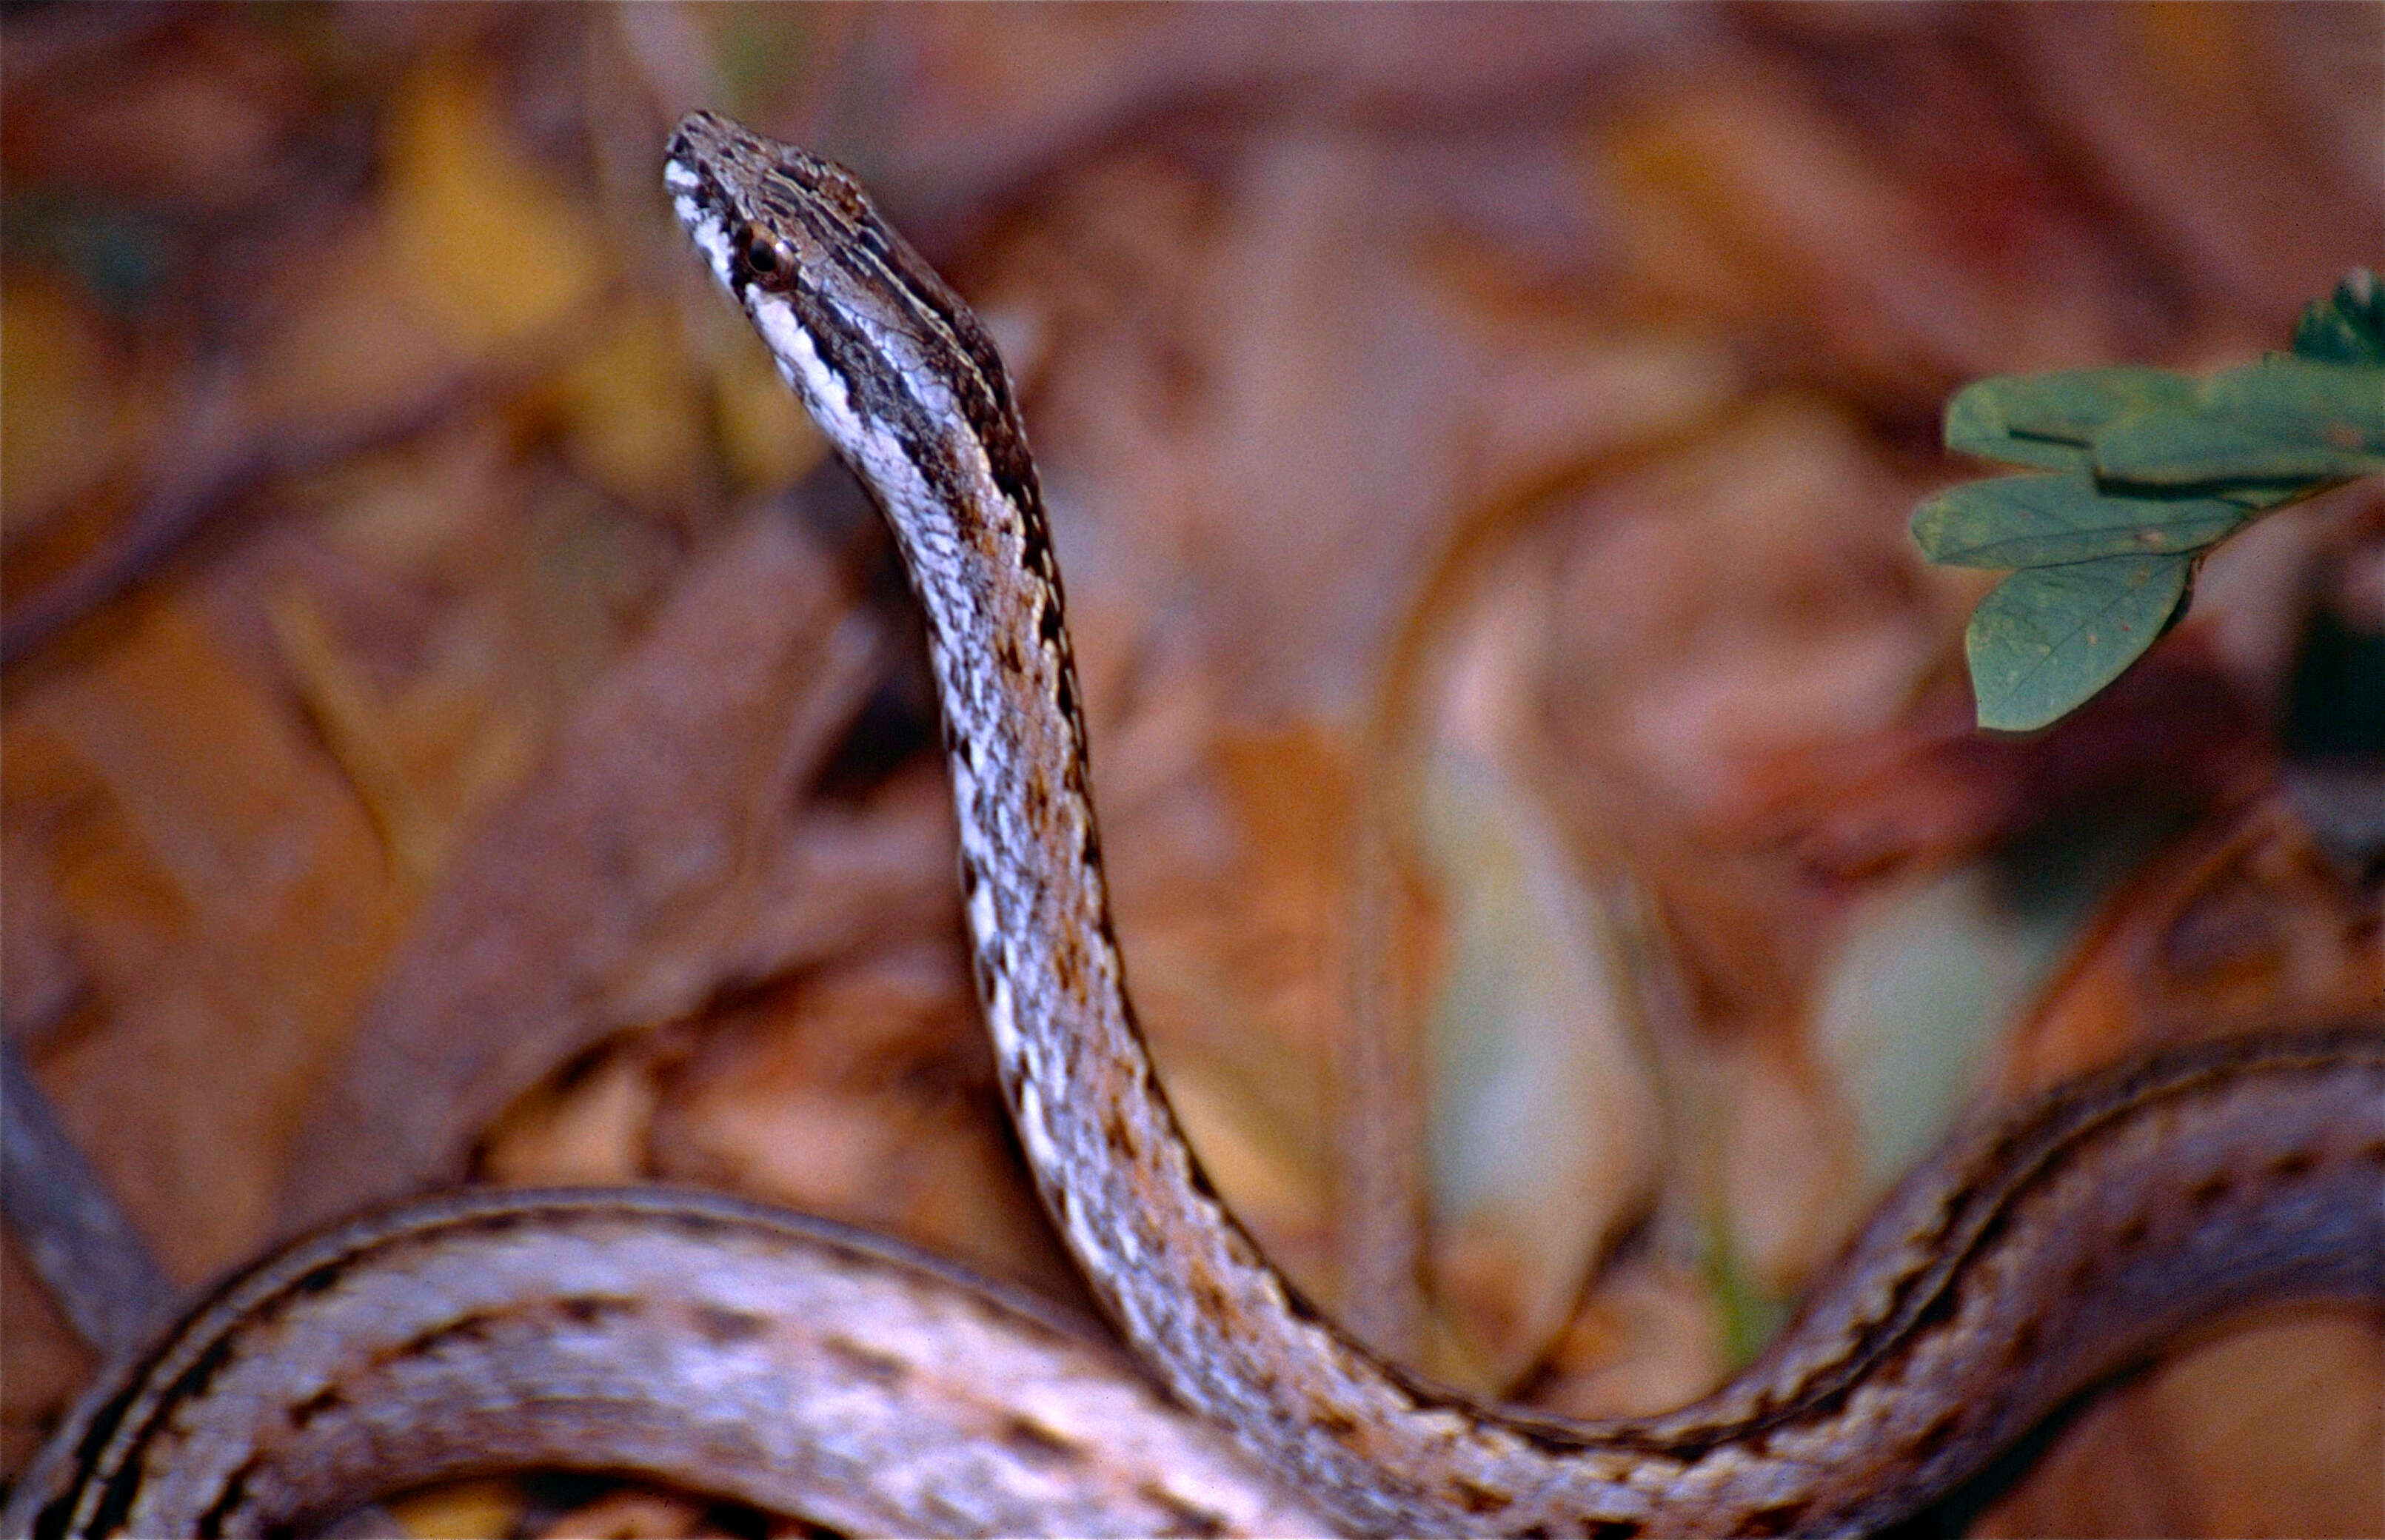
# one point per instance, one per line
(230, 903)
(48, 1366)
(64, 409)
(865, 1093)
(1648, 1341)
(496, 247)
(2240, 924)
(655, 825)
(2271, 1430)
(632, 414)
(634, 1515)
(470, 1509)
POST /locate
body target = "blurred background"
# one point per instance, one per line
(456, 725)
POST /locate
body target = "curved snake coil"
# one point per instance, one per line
(806, 1369)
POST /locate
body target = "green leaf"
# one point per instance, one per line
(2074, 405)
(2149, 467)
(2179, 450)
(2050, 637)
(2340, 405)
(2048, 521)
(2043, 419)
(2347, 328)
(1975, 425)
(2286, 420)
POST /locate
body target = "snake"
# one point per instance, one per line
(737, 1350)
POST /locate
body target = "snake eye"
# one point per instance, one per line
(768, 259)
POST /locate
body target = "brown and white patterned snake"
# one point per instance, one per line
(736, 1350)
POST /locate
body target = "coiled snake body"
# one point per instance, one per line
(732, 1349)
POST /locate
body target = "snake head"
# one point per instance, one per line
(887, 358)
(766, 215)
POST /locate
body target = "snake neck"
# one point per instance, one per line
(1992, 1286)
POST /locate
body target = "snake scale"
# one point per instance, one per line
(811, 1370)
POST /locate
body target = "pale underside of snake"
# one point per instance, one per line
(809, 1370)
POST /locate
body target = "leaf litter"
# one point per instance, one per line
(523, 781)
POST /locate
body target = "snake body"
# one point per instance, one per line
(803, 1368)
